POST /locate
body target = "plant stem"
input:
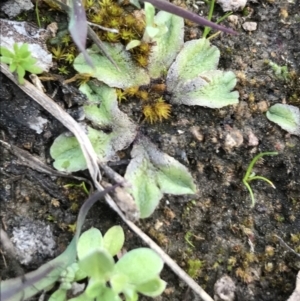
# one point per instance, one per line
(37, 12)
(211, 10)
(224, 17)
(261, 178)
(250, 191)
(248, 178)
(254, 160)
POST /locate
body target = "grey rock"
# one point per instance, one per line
(14, 7)
(31, 240)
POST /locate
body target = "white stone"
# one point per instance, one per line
(224, 289)
(233, 19)
(32, 240)
(250, 26)
(232, 5)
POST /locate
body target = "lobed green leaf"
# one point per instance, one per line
(129, 74)
(211, 89)
(196, 57)
(118, 131)
(167, 45)
(163, 174)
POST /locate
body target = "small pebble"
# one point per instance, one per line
(252, 139)
(262, 106)
(195, 130)
(250, 26)
(224, 289)
(234, 138)
(233, 19)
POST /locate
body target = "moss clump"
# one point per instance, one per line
(194, 267)
(129, 23)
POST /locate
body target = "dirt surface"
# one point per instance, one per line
(218, 232)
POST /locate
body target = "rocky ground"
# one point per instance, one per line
(217, 232)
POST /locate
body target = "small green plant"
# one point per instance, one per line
(280, 72)
(81, 185)
(187, 237)
(250, 176)
(19, 61)
(194, 267)
(187, 71)
(91, 257)
(135, 272)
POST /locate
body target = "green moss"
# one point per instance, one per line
(194, 267)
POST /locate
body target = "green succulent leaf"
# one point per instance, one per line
(286, 116)
(152, 288)
(68, 155)
(163, 173)
(113, 240)
(32, 68)
(23, 52)
(6, 60)
(129, 74)
(80, 275)
(16, 48)
(167, 45)
(107, 115)
(21, 74)
(13, 67)
(97, 264)
(6, 53)
(211, 89)
(28, 62)
(139, 265)
(23, 48)
(88, 241)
